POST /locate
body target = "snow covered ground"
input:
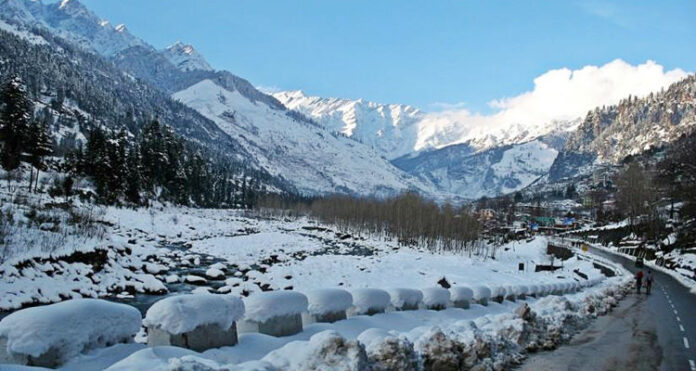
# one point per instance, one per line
(142, 254)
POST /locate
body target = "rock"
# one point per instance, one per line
(195, 280)
(214, 274)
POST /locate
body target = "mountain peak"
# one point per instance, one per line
(185, 57)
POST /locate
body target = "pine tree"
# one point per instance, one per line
(39, 143)
(14, 122)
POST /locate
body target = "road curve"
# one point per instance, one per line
(655, 332)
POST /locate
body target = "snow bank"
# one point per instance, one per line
(184, 313)
(459, 293)
(326, 350)
(401, 297)
(325, 301)
(262, 306)
(436, 297)
(365, 300)
(69, 327)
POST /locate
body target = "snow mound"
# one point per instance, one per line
(155, 358)
(183, 313)
(326, 350)
(262, 306)
(370, 299)
(400, 297)
(461, 293)
(325, 301)
(436, 296)
(481, 292)
(69, 327)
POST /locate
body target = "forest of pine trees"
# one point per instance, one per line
(153, 163)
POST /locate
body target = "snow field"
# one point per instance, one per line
(184, 313)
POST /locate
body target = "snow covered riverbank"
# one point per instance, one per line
(158, 251)
(165, 250)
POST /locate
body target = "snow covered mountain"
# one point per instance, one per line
(635, 125)
(309, 157)
(392, 129)
(398, 130)
(186, 58)
(70, 20)
(451, 157)
(460, 170)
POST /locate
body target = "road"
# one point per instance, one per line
(646, 332)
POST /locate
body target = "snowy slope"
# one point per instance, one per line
(186, 58)
(312, 159)
(389, 128)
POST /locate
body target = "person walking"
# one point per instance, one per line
(648, 282)
(639, 280)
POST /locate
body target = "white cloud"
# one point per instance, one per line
(558, 95)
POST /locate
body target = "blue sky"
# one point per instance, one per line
(416, 52)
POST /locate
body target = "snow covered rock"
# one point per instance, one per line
(482, 294)
(370, 301)
(436, 298)
(214, 274)
(275, 313)
(194, 321)
(195, 280)
(405, 299)
(461, 296)
(50, 335)
(327, 305)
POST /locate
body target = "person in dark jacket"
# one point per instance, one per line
(648, 282)
(639, 280)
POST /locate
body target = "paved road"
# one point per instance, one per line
(644, 333)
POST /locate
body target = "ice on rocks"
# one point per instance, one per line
(183, 313)
(69, 327)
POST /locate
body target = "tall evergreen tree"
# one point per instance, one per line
(14, 122)
(39, 144)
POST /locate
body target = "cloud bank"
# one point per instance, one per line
(558, 96)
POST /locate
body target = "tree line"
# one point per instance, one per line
(153, 163)
(409, 218)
